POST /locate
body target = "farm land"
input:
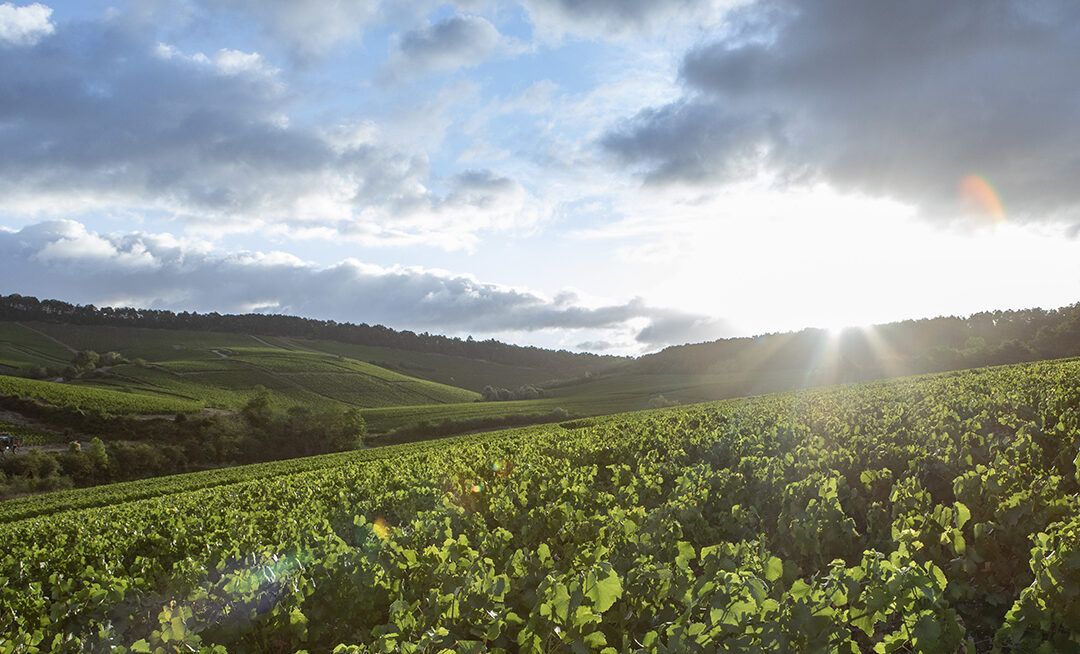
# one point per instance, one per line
(921, 513)
(933, 513)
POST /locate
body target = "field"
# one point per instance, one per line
(934, 514)
(472, 374)
(603, 395)
(185, 371)
(170, 371)
(21, 346)
(30, 436)
(102, 400)
(225, 371)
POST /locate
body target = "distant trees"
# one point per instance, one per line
(525, 392)
(147, 448)
(85, 361)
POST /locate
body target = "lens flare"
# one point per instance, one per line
(477, 488)
(980, 196)
(502, 467)
(381, 529)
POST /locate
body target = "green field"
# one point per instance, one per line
(602, 395)
(101, 400)
(149, 344)
(184, 371)
(21, 346)
(182, 347)
(931, 514)
(472, 374)
(225, 371)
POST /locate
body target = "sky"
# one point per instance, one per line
(612, 176)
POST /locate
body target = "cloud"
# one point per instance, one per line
(104, 118)
(24, 26)
(453, 42)
(900, 100)
(607, 18)
(595, 346)
(678, 327)
(307, 29)
(694, 141)
(63, 260)
(235, 62)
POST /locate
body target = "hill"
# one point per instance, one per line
(125, 384)
(543, 364)
(936, 513)
(887, 350)
(205, 369)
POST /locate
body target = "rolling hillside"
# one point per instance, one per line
(186, 371)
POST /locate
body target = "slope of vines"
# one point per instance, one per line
(937, 514)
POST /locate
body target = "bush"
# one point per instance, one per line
(661, 402)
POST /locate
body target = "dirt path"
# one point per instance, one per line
(170, 416)
(276, 347)
(305, 348)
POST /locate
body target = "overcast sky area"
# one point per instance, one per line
(613, 176)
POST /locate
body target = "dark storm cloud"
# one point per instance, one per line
(692, 141)
(898, 99)
(61, 259)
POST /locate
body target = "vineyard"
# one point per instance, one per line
(101, 400)
(934, 514)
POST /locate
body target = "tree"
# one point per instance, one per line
(258, 412)
(95, 451)
(86, 360)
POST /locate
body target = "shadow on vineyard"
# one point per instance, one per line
(147, 448)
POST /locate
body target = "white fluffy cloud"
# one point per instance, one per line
(22, 26)
(108, 119)
(64, 260)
